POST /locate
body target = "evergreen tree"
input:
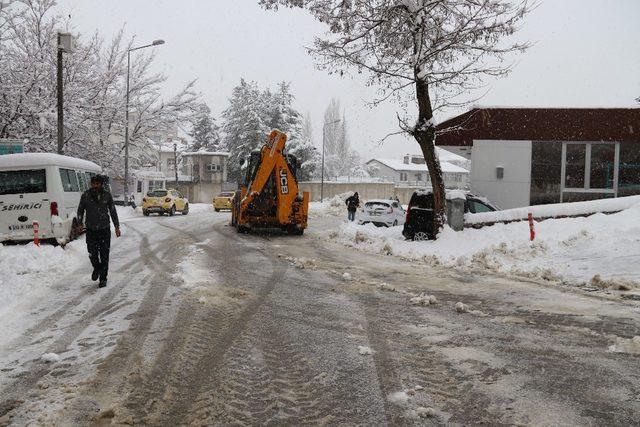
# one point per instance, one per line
(245, 128)
(204, 130)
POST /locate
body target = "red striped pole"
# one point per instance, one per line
(532, 231)
(36, 229)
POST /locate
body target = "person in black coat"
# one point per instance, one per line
(98, 205)
(352, 203)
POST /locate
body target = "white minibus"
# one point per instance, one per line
(41, 187)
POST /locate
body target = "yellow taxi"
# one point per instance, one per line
(223, 201)
(163, 201)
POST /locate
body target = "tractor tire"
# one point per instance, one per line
(172, 211)
(185, 211)
(145, 213)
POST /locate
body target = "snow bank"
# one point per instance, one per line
(29, 271)
(598, 251)
(336, 205)
(555, 210)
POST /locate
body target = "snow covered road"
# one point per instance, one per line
(200, 325)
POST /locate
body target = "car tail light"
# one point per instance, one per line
(54, 208)
(408, 210)
(168, 199)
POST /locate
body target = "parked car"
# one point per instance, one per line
(163, 201)
(419, 220)
(45, 188)
(223, 201)
(382, 213)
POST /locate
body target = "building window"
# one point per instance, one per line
(589, 169)
(171, 164)
(418, 177)
(214, 168)
(139, 189)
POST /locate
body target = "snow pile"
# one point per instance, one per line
(334, 206)
(462, 307)
(623, 345)
(301, 263)
(28, 271)
(399, 398)
(424, 299)
(599, 251)
(50, 358)
(365, 351)
(555, 210)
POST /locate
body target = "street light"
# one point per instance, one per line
(126, 113)
(323, 138)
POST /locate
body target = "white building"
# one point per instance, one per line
(412, 170)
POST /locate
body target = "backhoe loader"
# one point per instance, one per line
(268, 195)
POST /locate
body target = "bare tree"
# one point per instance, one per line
(437, 48)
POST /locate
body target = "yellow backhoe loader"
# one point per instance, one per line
(268, 195)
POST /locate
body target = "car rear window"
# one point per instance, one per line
(23, 181)
(157, 193)
(422, 201)
(376, 204)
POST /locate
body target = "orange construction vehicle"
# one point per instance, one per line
(268, 196)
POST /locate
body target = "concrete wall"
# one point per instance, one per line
(366, 190)
(514, 189)
(200, 192)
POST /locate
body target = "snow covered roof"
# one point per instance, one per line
(22, 160)
(167, 146)
(149, 174)
(206, 153)
(399, 165)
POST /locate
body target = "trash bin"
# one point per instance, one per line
(455, 211)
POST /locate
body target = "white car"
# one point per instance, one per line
(41, 187)
(382, 212)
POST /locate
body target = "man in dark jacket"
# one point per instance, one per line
(97, 202)
(352, 203)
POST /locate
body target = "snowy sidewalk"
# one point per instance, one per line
(599, 251)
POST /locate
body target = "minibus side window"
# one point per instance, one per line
(82, 181)
(69, 180)
(23, 181)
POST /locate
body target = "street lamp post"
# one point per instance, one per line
(65, 45)
(126, 113)
(322, 168)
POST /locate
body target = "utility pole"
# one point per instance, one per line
(126, 114)
(175, 161)
(322, 177)
(65, 44)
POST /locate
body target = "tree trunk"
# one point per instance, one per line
(425, 134)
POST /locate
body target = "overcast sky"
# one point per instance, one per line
(586, 54)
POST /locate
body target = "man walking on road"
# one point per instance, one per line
(97, 202)
(352, 203)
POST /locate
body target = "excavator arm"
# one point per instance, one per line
(291, 210)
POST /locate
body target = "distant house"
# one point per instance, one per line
(202, 174)
(528, 156)
(412, 170)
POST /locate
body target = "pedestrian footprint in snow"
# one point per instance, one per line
(352, 203)
(97, 202)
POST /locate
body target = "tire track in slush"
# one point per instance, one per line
(109, 377)
(37, 371)
(209, 336)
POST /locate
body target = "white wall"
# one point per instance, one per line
(515, 156)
